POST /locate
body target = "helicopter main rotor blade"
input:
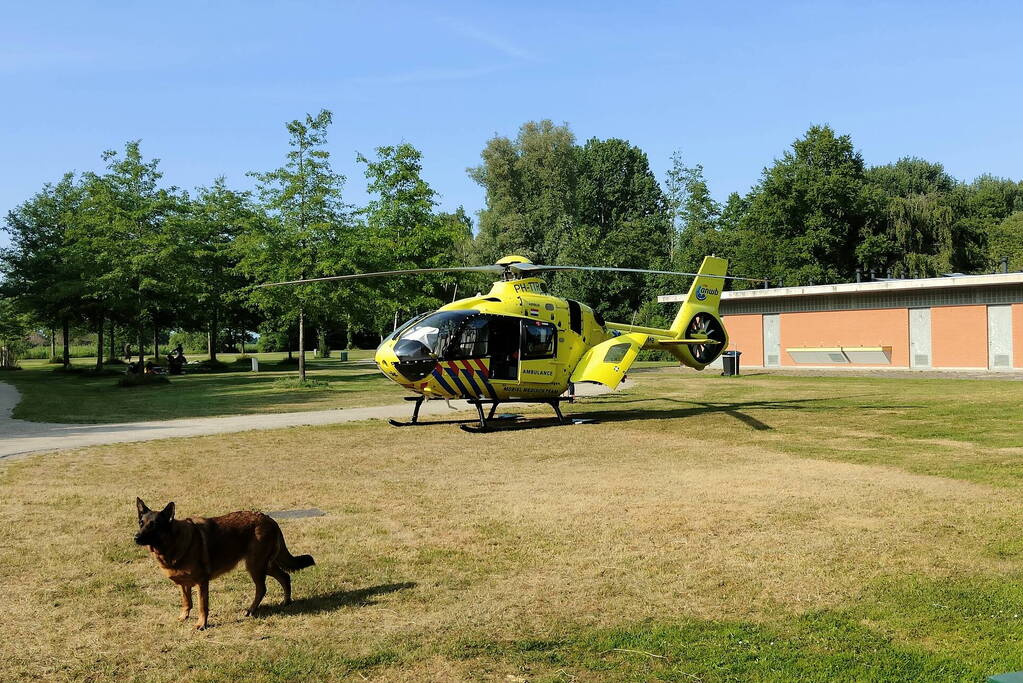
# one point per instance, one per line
(535, 268)
(494, 269)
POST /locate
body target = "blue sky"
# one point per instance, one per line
(208, 86)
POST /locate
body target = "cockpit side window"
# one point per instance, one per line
(537, 339)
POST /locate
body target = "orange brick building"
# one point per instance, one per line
(964, 322)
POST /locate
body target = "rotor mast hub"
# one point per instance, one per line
(507, 261)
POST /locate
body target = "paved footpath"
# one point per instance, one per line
(18, 437)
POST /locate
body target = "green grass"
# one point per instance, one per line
(757, 528)
(84, 397)
(966, 429)
(907, 630)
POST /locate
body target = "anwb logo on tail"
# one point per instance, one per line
(702, 292)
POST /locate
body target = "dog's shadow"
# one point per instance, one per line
(329, 602)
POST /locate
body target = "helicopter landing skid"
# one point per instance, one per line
(485, 420)
(419, 400)
(483, 424)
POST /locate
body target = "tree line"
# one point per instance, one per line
(818, 214)
(117, 251)
(122, 255)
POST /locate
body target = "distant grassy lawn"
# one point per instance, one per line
(49, 396)
(708, 528)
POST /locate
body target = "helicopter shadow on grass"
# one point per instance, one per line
(329, 602)
(734, 409)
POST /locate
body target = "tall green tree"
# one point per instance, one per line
(695, 214)
(14, 330)
(406, 232)
(622, 220)
(1005, 242)
(531, 192)
(215, 218)
(137, 261)
(305, 235)
(809, 212)
(42, 268)
(927, 225)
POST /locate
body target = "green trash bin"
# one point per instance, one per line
(342, 354)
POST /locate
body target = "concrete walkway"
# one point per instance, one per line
(18, 437)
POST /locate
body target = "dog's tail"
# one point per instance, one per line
(289, 562)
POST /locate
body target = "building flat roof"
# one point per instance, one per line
(875, 287)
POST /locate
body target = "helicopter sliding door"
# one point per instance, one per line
(521, 350)
(504, 348)
(539, 350)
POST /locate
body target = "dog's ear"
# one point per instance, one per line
(168, 512)
(141, 507)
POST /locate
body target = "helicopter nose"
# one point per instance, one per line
(402, 366)
(414, 359)
(387, 361)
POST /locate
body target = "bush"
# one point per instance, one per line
(296, 383)
(243, 358)
(193, 342)
(75, 350)
(133, 380)
(208, 366)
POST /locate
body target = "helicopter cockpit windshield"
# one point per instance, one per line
(459, 335)
(433, 336)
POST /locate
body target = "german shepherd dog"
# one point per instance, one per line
(193, 551)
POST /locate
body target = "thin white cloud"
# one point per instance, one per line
(426, 76)
(498, 43)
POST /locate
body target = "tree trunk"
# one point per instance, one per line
(301, 344)
(53, 343)
(209, 342)
(212, 338)
(322, 351)
(67, 344)
(243, 342)
(113, 347)
(142, 344)
(156, 342)
(99, 345)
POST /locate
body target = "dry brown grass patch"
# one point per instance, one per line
(435, 535)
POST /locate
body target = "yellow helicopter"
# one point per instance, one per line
(517, 343)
